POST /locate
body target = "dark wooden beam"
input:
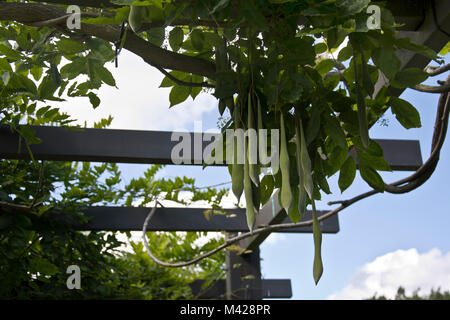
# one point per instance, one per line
(402, 155)
(178, 219)
(271, 289)
(133, 146)
(243, 280)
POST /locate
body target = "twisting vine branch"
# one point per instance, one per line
(401, 186)
(435, 70)
(432, 89)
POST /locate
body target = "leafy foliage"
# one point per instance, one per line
(37, 247)
(276, 67)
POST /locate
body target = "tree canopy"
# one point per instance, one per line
(321, 72)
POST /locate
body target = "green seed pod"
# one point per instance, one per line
(286, 192)
(136, 17)
(302, 198)
(317, 235)
(251, 214)
(237, 175)
(305, 162)
(252, 144)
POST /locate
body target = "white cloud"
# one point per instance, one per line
(138, 103)
(407, 268)
(274, 238)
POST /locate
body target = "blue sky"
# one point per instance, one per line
(399, 230)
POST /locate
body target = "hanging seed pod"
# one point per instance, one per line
(302, 197)
(237, 173)
(252, 144)
(285, 192)
(294, 212)
(251, 214)
(305, 163)
(262, 138)
(317, 235)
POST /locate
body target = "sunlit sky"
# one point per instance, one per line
(384, 242)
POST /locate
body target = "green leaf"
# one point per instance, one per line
(385, 59)
(320, 47)
(176, 37)
(4, 65)
(156, 36)
(178, 94)
(19, 81)
(445, 50)
(346, 53)
(54, 73)
(351, 7)
(42, 111)
(405, 113)
(409, 78)
(324, 66)
(423, 50)
(334, 130)
(347, 173)
(195, 91)
(197, 37)
(336, 159)
(70, 46)
(73, 69)
(372, 178)
(167, 82)
(47, 87)
(313, 126)
(36, 72)
(43, 266)
(94, 99)
(374, 162)
(105, 75)
(9, 53)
